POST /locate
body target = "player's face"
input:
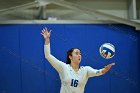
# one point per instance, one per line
(76, 56)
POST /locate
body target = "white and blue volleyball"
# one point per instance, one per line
(107, 50)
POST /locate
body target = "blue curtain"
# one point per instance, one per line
(23, 68)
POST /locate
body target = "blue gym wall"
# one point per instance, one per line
(23, 68)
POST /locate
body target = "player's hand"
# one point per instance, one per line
(46, 34)
(109, 66)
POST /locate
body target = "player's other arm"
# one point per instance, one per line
(107, 68)
(58, 65)
(94, 72)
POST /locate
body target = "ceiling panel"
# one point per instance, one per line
(12, 3)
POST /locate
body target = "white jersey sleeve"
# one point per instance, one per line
(57, 64)
(93, 72)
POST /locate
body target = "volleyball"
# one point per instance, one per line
(107, 50)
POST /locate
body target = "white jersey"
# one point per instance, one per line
(71, 81)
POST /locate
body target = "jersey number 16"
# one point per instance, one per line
(74, 82)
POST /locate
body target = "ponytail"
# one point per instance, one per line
(69, 53)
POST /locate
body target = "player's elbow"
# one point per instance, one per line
(47, 56)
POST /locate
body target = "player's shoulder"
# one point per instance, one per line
(85, 67)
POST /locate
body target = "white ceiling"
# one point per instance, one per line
(57, 10)
(11, 3)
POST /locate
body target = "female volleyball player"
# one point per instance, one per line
(73, 77)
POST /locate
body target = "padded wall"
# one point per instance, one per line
(23, 68)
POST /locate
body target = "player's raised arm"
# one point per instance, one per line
(58, 65)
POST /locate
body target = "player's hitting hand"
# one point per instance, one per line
(46, 34)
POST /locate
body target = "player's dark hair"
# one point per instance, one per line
(69, 53)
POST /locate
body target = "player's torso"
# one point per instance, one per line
(74, 79)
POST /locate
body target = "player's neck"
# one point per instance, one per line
(75, 66)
